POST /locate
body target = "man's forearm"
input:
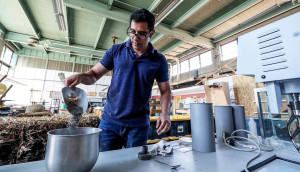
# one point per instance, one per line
(88, 79)
(163, 121)
(165, 102)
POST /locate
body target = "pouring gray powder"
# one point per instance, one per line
(76, 112)
(74, 121)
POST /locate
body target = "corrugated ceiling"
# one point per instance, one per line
(84, 17)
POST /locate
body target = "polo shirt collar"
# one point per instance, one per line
(151, 48)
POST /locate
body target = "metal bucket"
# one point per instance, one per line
(72, 150)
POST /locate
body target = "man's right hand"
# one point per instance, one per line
(73, 80)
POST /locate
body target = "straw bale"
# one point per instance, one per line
(244, 93)
(46, 113)
(23, 139)
(34, 108)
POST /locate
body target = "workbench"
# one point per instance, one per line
(224, 159)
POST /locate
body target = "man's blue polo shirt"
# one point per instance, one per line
(131, 85)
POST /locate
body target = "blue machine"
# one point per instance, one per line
(272, 54)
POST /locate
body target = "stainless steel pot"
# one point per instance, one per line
(72, 149)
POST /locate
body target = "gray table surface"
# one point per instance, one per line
(223, 160)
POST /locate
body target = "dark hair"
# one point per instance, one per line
(143, 15)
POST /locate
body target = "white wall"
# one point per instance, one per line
(45, 81)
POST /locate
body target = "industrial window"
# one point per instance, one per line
(40, 74)
(205, 59)
(229, 50)
(174, 70)
(7, 56)
(5, 60)
(194, 62)
(4, 70)
(2, 54)
(184, 66)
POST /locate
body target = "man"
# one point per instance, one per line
(125, 121)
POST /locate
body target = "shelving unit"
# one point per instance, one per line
(55, 104)
(155, 108)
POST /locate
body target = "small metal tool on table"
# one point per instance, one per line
(171, 166)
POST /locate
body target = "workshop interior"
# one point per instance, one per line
(233, 75)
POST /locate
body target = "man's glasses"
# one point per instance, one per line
(140, 35)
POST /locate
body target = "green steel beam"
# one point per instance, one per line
(2, 29)
(30, 18)
(279, 10)
(102, 24)
(17, 45)
(56, 56)
(157, 38)
(184, 36)
(45, 50)
(22, 38)
(154, 4)
(120, 15)
(76, 48)
(163, 14)
(188, 52)
(226, 16)
(13, 63)
(70, 25)
(181, 35)
(152, 7)
(73, 68)
(98, 58)
(63, 51)
(172, 47)
(36, 53)
(16, 37)
(189, 13)
(99, 8)
(109, 4)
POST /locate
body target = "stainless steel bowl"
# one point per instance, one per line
(72, 150)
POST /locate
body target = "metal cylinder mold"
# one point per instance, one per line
(239, 119)
(72, 149)
(203, 139)
(224, 121)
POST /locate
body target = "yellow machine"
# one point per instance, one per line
(2, 88)
(3, 91)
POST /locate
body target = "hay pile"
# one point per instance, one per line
(34, 108)
(23, 139)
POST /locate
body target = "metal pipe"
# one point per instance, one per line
(202, 127)
(239, 119)
(224, 121)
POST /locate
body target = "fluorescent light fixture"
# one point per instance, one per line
(167, 10)
(58, 11)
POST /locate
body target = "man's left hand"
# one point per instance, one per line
(163, 124)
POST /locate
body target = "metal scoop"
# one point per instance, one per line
(74, 98)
